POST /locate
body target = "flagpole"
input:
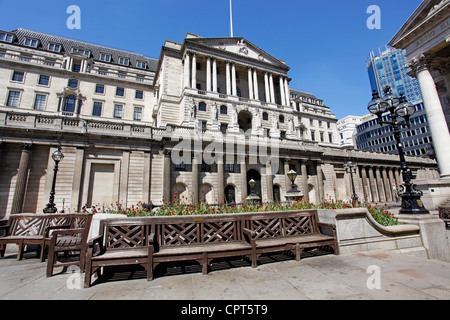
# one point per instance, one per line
(231, 20)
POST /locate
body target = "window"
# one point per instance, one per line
(281, 119)
(202, 106)
(141, 64)
(44, 80)
(6, 37)
(265, 116)
(73, 83)
(97, 110)
(120, 92)
(13, 99)
(229, 167)
(223, 127)
(137, 114)
(105, 57)
(69, 105)
(54, 47)
(31, 42)
(87, 53)
(17, 76)
(223, 110)
(180, 166)
(139, 94)
(118, 111)
(313, 135)
(100, 88)
(76, 67)
(204, 125)
(39, 103)
(124, 61)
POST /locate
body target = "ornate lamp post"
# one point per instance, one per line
(398, 107)
(293, 194)
(57, 156)
(350, 167)
(253, 197)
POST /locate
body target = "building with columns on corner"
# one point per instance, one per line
(425, 37)
(196, 124)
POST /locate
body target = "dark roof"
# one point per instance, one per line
(68, 44)
(303, 94)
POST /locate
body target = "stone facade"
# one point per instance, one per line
(197, 124)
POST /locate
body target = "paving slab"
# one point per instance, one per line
(315, 277)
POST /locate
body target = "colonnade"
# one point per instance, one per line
(190, 79)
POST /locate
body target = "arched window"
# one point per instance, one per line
(281, 119)
(202, 106)
(265, 116)
(223, 110)
(70, 104)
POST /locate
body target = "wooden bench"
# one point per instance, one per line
(199, 238)
(288, 231)
(444, 214)
(69, 240)
(120, 242)
(150, 241)
(26, 229)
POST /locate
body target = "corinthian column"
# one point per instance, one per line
(250, 83)
(21, 180)
(435, 114)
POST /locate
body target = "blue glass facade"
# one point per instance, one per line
(386, 67)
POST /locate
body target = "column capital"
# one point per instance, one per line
(419, 63)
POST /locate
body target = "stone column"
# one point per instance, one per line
(387, 186)
(373, 185)
(255, 84)
(266, 87)
(435, 114)
(366, 186)
(250, 83)
(269, 181)
(220, 179)
(233, 79)
(282, 91)
(208, 73)
(195, 181)
(320, 181)
(272, 89)
(287, 91)
(244, 192)
(194, 71)
(214, 66)
(187, 66)
(379, 179)
(124, 173)
(21, 180)
(286, 178)
(227, 71)
(146, 187)
(392, 181)
(305, 180)
(166, 175)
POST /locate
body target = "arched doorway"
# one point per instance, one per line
(245, 120)
(255, 175)
(230, 194)
(179, 193)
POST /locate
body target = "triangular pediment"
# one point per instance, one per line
(426, 9)
(236, 47)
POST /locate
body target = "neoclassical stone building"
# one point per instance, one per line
(196, 124)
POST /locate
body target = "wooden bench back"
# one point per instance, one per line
(124, 234)
(36, 224)
(280, 224)
(191, 230)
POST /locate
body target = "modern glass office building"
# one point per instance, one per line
(386, 67)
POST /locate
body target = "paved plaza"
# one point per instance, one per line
(360, 276)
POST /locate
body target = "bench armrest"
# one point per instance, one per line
(152, 238)
(50, 228)
(331, 228)
(95, 240)
(249, 232)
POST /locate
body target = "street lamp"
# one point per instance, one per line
(292, 175)
(350, 167)
(253, 197)
(398, 107)
(57, 156)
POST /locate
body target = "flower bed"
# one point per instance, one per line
(381, 215)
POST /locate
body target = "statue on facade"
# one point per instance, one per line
(214, 111)
(192, 109)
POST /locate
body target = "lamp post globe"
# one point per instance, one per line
(57, 156)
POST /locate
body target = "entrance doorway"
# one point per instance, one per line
(255, 175)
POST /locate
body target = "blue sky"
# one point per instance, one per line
(325, 43)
